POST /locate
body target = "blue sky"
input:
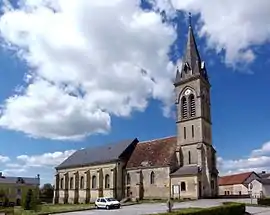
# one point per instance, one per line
(34, 138)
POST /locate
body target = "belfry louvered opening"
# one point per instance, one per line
(184, 107)
(192, 106)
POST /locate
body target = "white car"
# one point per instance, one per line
(107, 203)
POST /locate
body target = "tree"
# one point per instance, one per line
(3, 198)
(31, 200)
(46, 193)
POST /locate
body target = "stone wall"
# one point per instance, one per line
(84, 189)
(191, 187)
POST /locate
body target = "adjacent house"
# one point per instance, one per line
(245, 184)
(265, 181)
(16, 187)
(180, 166)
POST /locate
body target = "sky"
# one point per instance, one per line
(80, 73)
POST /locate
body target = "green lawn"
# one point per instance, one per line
(50, 208)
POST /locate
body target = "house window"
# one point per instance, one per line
(185, 133)
(183, 186)
(71, 183)
(107, 181)
(192, 106)
(184, 107)
(189, 157)
(19, 192)
(61, 183)
(192, 130)
(128, 178)
(240, 193)
(82, 182)
(152, 178)
(94, 181)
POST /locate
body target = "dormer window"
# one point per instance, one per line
(20, 180)
(186, 67)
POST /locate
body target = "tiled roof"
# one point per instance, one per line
(16, 180)
(234, 179)
(155, 153)
(186, 170)
(102, 154)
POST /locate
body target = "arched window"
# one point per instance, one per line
(82, 182)
(71, 183)
(192, 106)
(107, 181)
(94, 182)
(183, 186)
(152, 178)
(189, 157)
(128, 178)
(184, 107)
(61, 183)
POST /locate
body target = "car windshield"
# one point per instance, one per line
(110, 199)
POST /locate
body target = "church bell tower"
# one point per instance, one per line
(193, 121)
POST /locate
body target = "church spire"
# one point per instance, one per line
(191, 63)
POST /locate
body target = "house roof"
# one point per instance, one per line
(102, 154)
(153, 153)
(264, 175)
(265, 181)
(186, 170)
(234, 179)
(18, 180)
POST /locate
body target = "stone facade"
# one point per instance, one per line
(86, 184)
(181, 166)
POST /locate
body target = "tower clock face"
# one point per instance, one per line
(187, 92)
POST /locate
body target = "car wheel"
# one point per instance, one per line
(96, 206)
(107, 207)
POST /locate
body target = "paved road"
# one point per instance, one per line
(141, 209)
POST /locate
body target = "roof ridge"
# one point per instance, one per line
(241, 173)
(161, 138)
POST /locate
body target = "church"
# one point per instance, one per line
(179, 167)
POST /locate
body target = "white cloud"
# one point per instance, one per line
(4, 159)
(14, 171)
(31, 165)
(258, 160)
(45, 160)
(231, 25)
(85, 62)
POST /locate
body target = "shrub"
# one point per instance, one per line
(226, 209)
(264, 201)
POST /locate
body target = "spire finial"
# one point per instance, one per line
(189, 19)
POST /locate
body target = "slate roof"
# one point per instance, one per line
(155, 153)
(234, 179)
(191, 60)
(15, 180)
(264, 175)
(265, 181)
(97, 155)
(186, 170)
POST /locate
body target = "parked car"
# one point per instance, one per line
(107, 203)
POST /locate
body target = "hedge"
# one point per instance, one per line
(264, 201)
(225, 209)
